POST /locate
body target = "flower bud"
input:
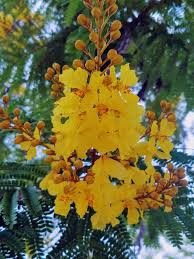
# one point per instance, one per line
(93, 37)
(167, 203)
(5, 99)
(111, 2)
(16, 111)
(181, 173)
(170, 167)
(84, 21)
(55, 87)
(115, 35)
(175, 179)
(41, 125)
(51, 71)
(112, 10)
(89, 179)
(171, 117)
(116, 25)
(48, 159)
(16, 121)
(117, 60)
(56, 67)
(27, 125)
(4, 124)
(19, 139)
(112, 53)
(49, 152)
(53, 139)
(65, 67)
(163, 104)
(168, 106)
(79, 44)
(90, 65)
(96, 13)
(78, 63)
(88, 3)
(157, 176)
(48, 77)
(151, 115)
(66, 175)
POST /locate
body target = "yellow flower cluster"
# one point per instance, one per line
(99, 141)
(6, 24)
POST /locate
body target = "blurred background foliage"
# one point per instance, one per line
(158, 41)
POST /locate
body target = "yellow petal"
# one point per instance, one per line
(128, 76)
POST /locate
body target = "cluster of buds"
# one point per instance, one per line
(164, 191)
(6, 24)
(167, 110)
(101, 12)
(52, 75)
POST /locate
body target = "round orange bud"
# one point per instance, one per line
(80, 44)
(181, 172)
(16, 121)
(175, 178)
(53, 139)
(154, 195)
(93, 36)
(78, 164)
(19, 139)
(168, 106)
(115, 35)
(84, 21)
(50, 71)
(183, 183)
(157, 176)
(16, 111)
(163, 104)
(96, 13)
(55, 87)
(116, 25)
(41, 125)
(170, 167)
(48, 77)
(167, 203)
(112, 53)
(117, 60)
(56, 67)
(78, 63)
(89, 179)
(112, 10)
(35, 142)
(27, 125)
(90, 65)
(54, 94)
(65, 67)
(151, 115)
(49, 152)
(171, 117)
(5, 99)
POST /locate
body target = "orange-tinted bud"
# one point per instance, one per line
(16, 121)
(181, 172)
(41, 125)
(151, 115)
(168, 203)
(65, 67)
(154, 195)
(79, 44)
(88, 3)
(96, 13)
(111, 2)
(112, 10)
(55, 87)
(163, 104)
(53, 139)
(112, 53)
(78, 164)
(19, 139)
(157, 176)
(171, 117)
(35, 142)
(48, 77)
(27, 125)
(89, 179)
(49, 152)
(51, 71)
(116, 25)
(56, 67)
(5, 99)
(93, 36)
(115, 35)
(84, 21)
(168, 106)
(16, 111)
(117, 60)
(90, 65)
(175, 178)
(183, 183)
(170, 167)
(78, 63)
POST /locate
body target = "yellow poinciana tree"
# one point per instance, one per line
(98, 136)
